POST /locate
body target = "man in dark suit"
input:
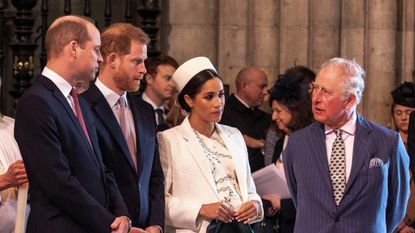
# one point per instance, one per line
(71, 191)
(345, 173)
(241, 111)
(157, 86)
(130, 152)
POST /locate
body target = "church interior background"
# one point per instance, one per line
(271, 34)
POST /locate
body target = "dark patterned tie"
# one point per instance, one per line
(160, 116)
(338, 167)
(78, 113)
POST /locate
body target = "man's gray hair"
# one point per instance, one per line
(353, 80)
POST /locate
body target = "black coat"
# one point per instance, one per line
(71, 191)
(143, 193)
(251, 122)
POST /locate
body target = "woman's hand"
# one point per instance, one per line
(247, 212)
(217, 210)
(275, 201)
(14, 177)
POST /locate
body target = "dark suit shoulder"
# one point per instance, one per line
(140, 102)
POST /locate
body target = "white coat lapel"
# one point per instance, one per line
(196, 152)
(238, 156)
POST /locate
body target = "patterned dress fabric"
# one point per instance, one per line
(222, 168)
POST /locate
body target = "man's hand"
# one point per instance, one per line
(217, 210)
(247, 212)
(153, 229)
(407, 229)
(253, 142)
(137, 230)
(275, 201)
(120, 225)
(15, 176)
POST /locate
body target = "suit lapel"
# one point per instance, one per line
(64, 102)
(318, 147)
(139, 124)
(106, 115)
(361, 150)
(196, 151)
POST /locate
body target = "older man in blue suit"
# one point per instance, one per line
(345, 173)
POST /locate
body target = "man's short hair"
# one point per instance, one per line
(64, 30)
(152, 64)
(117, 38)
(241, 77)
(353, 76)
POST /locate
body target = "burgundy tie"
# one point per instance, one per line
(126, 130)
(79, 113)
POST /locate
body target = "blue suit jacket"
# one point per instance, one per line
(143, 193)
(71, 191)
(376, 195)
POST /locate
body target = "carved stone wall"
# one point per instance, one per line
(272, 34)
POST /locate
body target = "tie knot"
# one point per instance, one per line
(159, 111)
(121, 101)
(74, 93)
(338, 133)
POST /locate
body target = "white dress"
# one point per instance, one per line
(9, 153)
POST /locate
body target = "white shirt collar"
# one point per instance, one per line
(64, 86)
(349, 127)
(110, 95)
(240, 100)
(148, 100)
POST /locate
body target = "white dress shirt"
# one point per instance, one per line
(63, 85)
(112, 99)
(348, 134)
(154, 105)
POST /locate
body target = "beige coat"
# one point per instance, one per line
(188, 179)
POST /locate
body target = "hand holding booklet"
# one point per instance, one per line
(269, 180)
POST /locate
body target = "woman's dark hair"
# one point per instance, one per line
(291, 90)
(193, 87)
(308, 74)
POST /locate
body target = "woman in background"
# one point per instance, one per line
(207, 174)
(291, 104)
(402, 106)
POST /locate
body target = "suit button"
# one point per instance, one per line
(336, 219)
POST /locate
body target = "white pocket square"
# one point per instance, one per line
(375, 162)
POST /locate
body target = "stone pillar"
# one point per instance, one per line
(294, 34)
(233, 38)
(324, 41)
(353, 36)
(406, 41)
(193, 29)
(264, 44)
(381, 59)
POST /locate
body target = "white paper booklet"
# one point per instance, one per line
(269, 180)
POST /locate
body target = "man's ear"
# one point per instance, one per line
(149, 78)
(73, 46)
(112, 60)
(350, 102)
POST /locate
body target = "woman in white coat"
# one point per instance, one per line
(12, 176)
(207, 174)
